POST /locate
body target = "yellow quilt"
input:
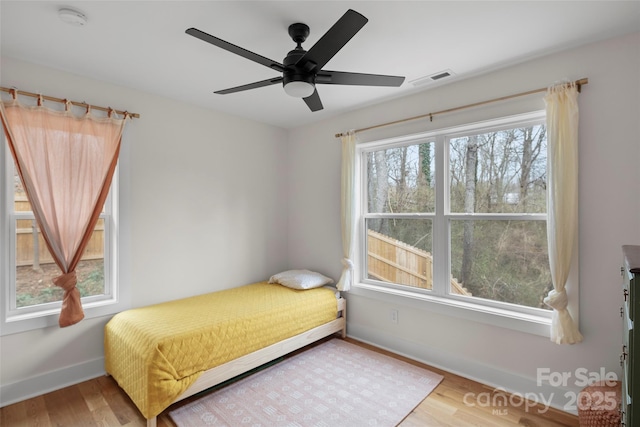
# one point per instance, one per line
(155, 353)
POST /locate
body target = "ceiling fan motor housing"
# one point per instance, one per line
(293, 73)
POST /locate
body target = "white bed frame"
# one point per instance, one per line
(250, 361)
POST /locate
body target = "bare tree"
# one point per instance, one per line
(471, 166)
(533, 142)
(381, 196)
(424, 174)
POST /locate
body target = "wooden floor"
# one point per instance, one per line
(100, 402)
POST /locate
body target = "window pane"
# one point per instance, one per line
(502, 260)
(401, 179)
(499, 172)
(21, 204)
(35, 268)
(399, 251)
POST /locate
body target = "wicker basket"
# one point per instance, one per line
(595, 405)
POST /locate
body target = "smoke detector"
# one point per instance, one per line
(72, 17)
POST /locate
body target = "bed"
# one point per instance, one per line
(166, 352)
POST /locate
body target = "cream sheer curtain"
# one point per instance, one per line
(562, 204)
(66, 165)
(347, 191)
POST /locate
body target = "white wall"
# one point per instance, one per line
(609, 215)
(203, 208)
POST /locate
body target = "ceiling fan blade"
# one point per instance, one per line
(313, 101)
(235, 49)
(332, 41)
(357, 79)
(255, 85)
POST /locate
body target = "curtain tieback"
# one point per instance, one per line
(557, 300)
(66, 281)
(347, 263)
(71, 312)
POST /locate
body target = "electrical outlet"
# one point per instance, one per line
(393, 315)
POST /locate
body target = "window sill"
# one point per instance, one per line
(44, 319)
(532, 324)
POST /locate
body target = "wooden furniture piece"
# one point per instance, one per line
(630, 313)
(162, 354)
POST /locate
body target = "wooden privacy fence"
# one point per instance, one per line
(391, 260)
(31, 248)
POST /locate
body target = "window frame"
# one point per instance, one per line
(439, 299)
(16, 320)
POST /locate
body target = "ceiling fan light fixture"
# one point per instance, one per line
(299, 89)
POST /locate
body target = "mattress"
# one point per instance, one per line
(155, 353)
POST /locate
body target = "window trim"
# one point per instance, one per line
(17, 320)
(526, 319)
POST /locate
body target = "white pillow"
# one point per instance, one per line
(300, 279)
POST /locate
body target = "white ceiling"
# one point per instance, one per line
(143, 45)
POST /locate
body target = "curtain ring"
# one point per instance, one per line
(110, 112)
(88, 108)
(66, 105)
(430, 117)
(14, 93)
(39, 100)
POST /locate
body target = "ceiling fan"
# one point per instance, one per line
(302, 70)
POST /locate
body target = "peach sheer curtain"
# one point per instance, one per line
(66, 164)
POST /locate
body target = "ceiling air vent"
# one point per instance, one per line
(432, 78)
(441, 75)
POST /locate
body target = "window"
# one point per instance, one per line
(29, 298)
(458, 215)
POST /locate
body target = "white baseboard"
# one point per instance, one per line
(500, 380)
(50, 381)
